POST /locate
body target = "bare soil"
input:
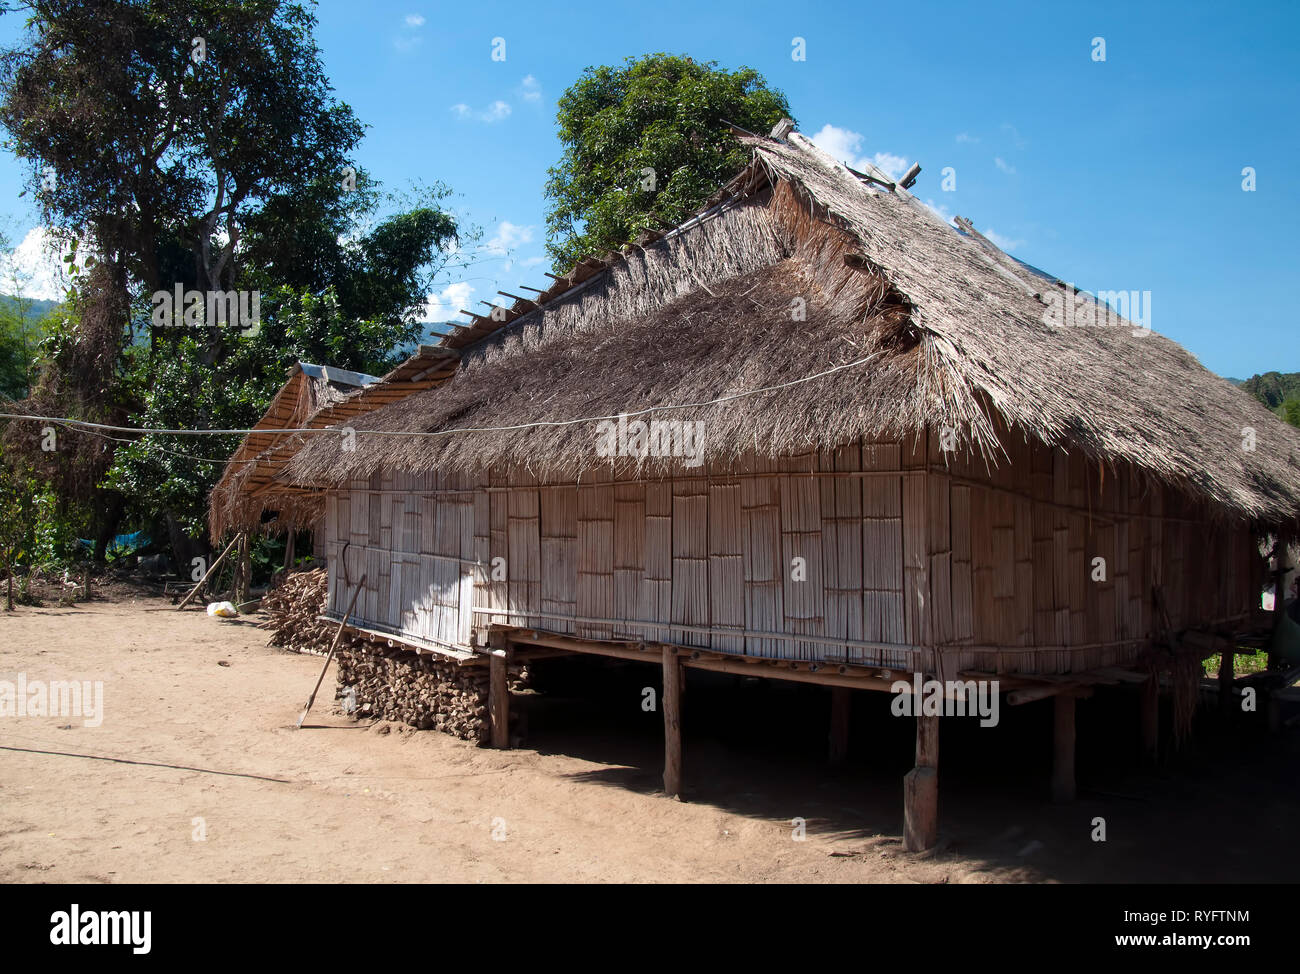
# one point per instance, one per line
(197, 774)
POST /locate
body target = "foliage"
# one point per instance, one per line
(659, 113)
(1273, 388)
(1290, 410)
(34, 532)
(228, 171)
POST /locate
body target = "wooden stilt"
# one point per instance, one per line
(1226, 678)
(921, 789)
(1063, 786)
(288, 550)
(499, 691)
(671, 701)
(1150, 719)
(839, 734)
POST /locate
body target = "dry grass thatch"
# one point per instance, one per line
(956, 332)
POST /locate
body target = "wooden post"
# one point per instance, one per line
(671, 701)
(921, 789)
(841, 701)
(1063, 786)
(1150, 719)
(498, 690)
(288, 550)
(245, 571)
(1226, 678)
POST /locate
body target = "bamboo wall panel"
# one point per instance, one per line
(761, 513)
(801, 537)
(902, 544)
(690, 559)
(559, 556)
(726, 565)
(882, 545)
(841, 508)
(632, 594)
(596, 559)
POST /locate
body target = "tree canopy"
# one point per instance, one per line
(198, 144)
(644, 145)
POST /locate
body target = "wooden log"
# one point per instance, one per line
(841, 701)
(671, 701)
(1150, 719)
(920, 809)
(1063, 785)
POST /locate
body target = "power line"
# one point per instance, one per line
(89, 426)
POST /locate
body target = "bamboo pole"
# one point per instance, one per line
(333, 646)
(206, 575)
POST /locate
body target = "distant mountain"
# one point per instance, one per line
(36, 309)
(1274, 388)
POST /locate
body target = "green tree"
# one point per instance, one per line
(1290, 410)
(222, 162)
(645, 145)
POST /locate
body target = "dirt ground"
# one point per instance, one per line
(197, 774)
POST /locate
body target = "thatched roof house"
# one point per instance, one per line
(891, 452)
(313, 397)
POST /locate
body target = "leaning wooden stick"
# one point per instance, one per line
(208, 574)
(330, 655)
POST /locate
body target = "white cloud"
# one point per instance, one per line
(493, 113)
(34, 267)
(409, 39)
(532, 262)
(846, 146)
(447, 303)
(893, 165)
(967, 137)
(1019, 140)
(1005, 166)
(941, 211)
(507, 238)
(1001, 242)
(531, 89)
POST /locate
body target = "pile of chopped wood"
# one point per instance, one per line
(424, 691)
(292, 608)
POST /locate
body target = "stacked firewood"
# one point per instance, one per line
(292, 608)
(423, 691)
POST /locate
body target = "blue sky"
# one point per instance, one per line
(1122, 174)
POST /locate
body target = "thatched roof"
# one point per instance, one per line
(954, 334)
(313, 397)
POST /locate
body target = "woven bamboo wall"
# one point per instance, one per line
(911, 558)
